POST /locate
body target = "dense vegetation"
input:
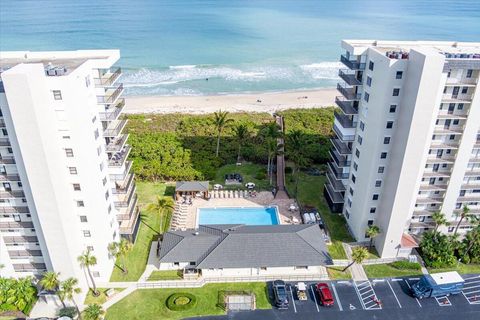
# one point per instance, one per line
(17, 294)
(183, 147)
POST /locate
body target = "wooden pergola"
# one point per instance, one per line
(192, 189)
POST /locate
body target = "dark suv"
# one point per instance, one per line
(280, 294)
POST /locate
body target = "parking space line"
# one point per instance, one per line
(470, 292)
(358, 294)
(336, 296)
(443, 301)
(315, 298)
(471, 282)
(293, 300)
(408, 284)
(474, 277)
(394, 294)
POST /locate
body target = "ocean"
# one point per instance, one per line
(171, 47)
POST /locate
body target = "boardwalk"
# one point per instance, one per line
(281, 192)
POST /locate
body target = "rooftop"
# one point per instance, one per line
(191, 186)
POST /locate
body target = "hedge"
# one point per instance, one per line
(406, 265)
(176, 297)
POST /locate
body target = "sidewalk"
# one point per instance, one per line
(356, 270)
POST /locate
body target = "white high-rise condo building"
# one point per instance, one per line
(65, 182)
(407, 139)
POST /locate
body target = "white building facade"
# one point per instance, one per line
(65, 182)
(407, 140)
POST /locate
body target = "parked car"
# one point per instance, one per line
(325, 295)
(280, 294)
(301, 291)
(438, 285)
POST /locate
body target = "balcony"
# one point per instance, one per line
(461, 82)
(448, 97)
(348, 93)
(20, 239)
(350, 78)
(124, 200)
(437, 174)
(454, 116)
(444, 145)
(342, 148)
(9, 177)
(7, 160)
(14, 210)
(111, 95)
(108, 77)
(348, 107)
(12, 194)
(121, 178)
(469, 197)
(433, 187)
(337, 185)
(337, 173)
(129, 227)
(114, 128)
(122, 187)
(4, 142)
(342, 134)
(113, 113)
(118, 159)
(16, 225)
(117, 144)
(441, 160)
(346, 122)
(24, 254)
(447, 131)
(29, 267)
(429, 200)
(2, 123)
(341, 161)
(472, 172)
(352, 64)
(125, 213)
(335, 197)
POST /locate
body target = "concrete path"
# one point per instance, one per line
(281, 192)
(153, 262)
(119, 296)
(356, 270)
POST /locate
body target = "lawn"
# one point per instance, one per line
(165, 275)
(310, 192)
(461, 268)
(149, 227)
(387, 270)
(102, 298)
(338, 274)
(248, 171)
(150, 303)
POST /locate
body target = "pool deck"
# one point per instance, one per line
(262, 199)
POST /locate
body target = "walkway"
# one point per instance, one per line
(281, 192)
(358, 274)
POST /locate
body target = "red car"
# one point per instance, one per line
(326, 297)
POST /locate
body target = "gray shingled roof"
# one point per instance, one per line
(191, 186)
(240, 246)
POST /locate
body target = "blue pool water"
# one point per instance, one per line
(248, 216)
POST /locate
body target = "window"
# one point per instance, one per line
(57, 94)
(96, 274)
(386, 140)
(464, 89)
(101, 166)
(347, 214)
(383, 155)
(176, 263)
(360, 140)
(372, 210)
(452, 136)
(69, 152)
(94, 119)
(19, 184)
(389, 124)
(396, 92)
(99, 150)
(10, 150)
(399, 75)
(351, 191)
(109, 208)
(87, 81)
(369, 81)
(381, 169)
(449, 74)
(349, 202)
(370, 65)
(355, 166)
(369, 223)
(80, 203)
(469, 73)
(375, 197)
(450, 229)
(378, 183)
(366, 96)
(393, 108)
(83, 219)
(354, 179)
(104, 180)
(65, 137)
(456, 122)
(107, 195)
(76, 187)
(90, 248)
(362, 126)
(86, 233)
(4, 131)
(357, 153)
(192, 263)
(73, 170)
(460, 106)
(96, 134)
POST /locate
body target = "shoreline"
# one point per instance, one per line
(269, 102)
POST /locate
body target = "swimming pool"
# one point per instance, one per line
(253, 216)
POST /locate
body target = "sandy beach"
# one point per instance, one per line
(255, 102)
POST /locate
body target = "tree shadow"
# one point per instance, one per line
(169, 190)
(143, 219)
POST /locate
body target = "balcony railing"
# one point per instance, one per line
(118, 159)
(2, 123)
(348, 93)
(12, 194)
(337, 174)
(341, 147)
(7, 160)
(341, 161)
(456, 81)
(29, 267)
(124, 186)
(337, 185)
(349, 78)
(457, 97)
(353, 65)
(16, 225)
(110, 95)
(4, 142)
(335, 196)
(341, 136)
(127, 212)
(115, 128)
(126, 199)
(345, 121)
(9, 177)
(441, 130)
(20, 239)
(117, 143)
(113, 113)
(348, 107)
(127, 226)
(14, 210)
(24, 254)
(108, 78)
(121, 177)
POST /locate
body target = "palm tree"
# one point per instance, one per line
(121, 249)
(241, 132)
(50, 282)
(439, 219)
(359, 254)
(463, 215)
(271, 134)
(295, 146)
(372, 232)
(93, 312)
(86, 261)
(475, 234)
(68, 289)
(221, 121)
(161, 206)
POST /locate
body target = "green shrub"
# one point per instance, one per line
(181, 301)
(288, 170)
(68, 312)
(261, 175)
(406, 265)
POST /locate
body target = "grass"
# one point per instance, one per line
(248, 171)
(149, 228)
(151, 303)
(461, 268)
(165, 275)
(310, 192)
(387, 270)
(338, 274)
(102, 298)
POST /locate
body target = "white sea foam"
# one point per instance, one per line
(187, 66)
(322, 70)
